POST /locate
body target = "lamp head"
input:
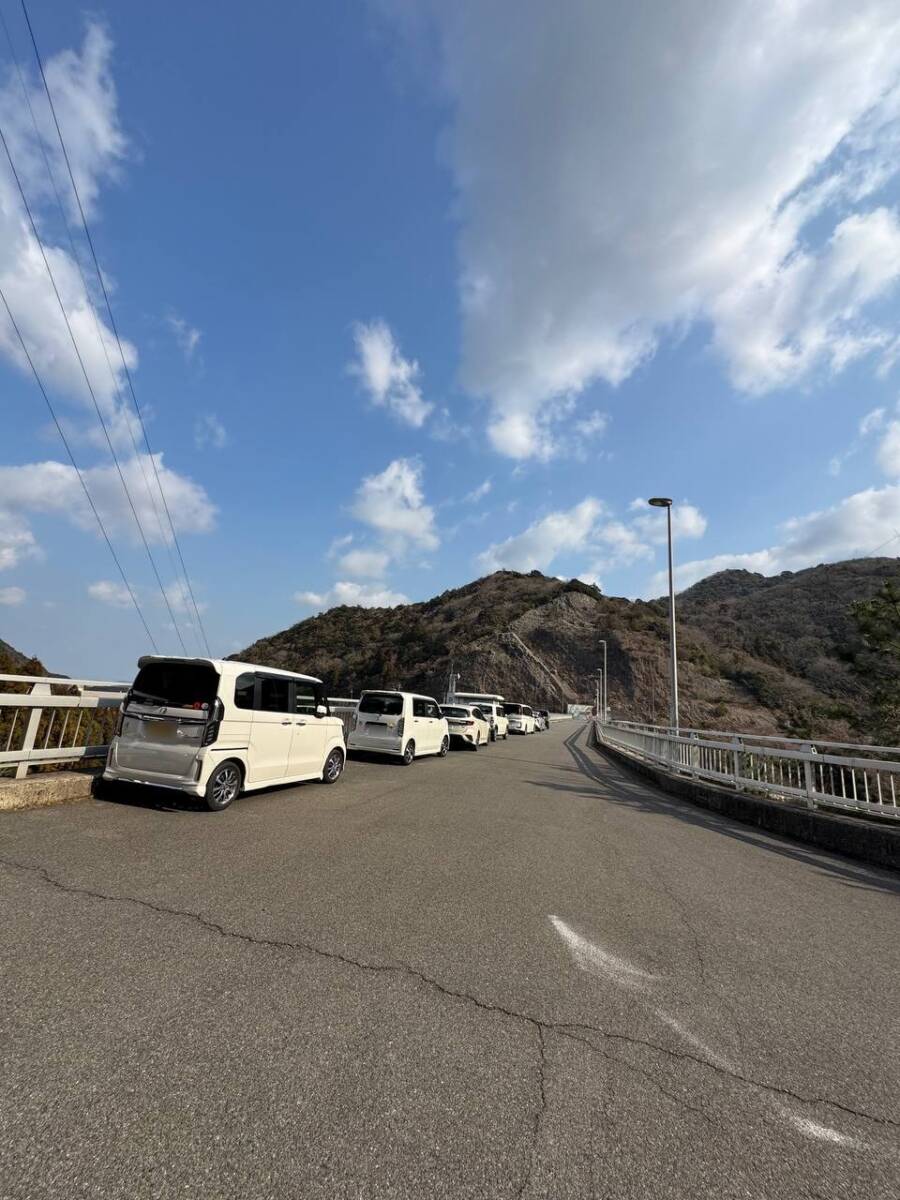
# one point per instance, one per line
(660, 502)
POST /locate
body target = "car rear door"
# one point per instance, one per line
(272, 730)
(308, 731)
(423, 726)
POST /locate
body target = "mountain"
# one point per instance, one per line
(760, 654)
(14, 662)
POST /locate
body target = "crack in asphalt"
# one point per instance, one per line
(540, 1024)
(539, 1111)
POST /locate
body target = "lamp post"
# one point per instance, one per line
(666, 503)
(598, 679)
(604, 712)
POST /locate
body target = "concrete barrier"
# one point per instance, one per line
(872, 841)
(38, 791)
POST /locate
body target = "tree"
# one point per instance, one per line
(878, 622)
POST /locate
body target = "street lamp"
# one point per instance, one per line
(605, 709)
(666, 503)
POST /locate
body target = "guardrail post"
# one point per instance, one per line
(694, 755)
(810, 776)
(34, 720)
(736, 745)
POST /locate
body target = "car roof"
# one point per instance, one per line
(225, 666)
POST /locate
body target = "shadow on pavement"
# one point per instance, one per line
(642, 796)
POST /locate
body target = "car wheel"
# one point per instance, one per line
(334, 767)
(445, 746)
(223, 786)
(475, 744)
(409, 753)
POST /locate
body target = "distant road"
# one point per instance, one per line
(516, 973)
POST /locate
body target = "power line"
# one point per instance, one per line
(87, 381)
(102, 341)
(77, 470)
(112, 321)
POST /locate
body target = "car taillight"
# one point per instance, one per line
(211, 732)
(120, 720)
(469, 722)
(400, 727)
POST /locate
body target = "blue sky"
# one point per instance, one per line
(410, 292)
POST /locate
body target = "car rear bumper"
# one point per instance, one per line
(370, 745)
(191, 779)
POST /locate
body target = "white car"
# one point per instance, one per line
(214, 728)
(401, 724)
(467, 724)
(520, 717)
(492, 707)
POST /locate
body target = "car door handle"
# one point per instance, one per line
(285, 722)
(299, 722)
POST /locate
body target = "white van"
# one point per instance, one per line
(491, 706)
(215, 728)
(401, 724)
(520, 717)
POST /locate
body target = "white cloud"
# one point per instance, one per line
(179, 599)
(16, 540)
(888, 453)
(854, 528)
(11, 596)
(687, 522)
(108, 592)
(393, 504)
(871, 422)
(478, 493)
(390, 379)
(85, 98)
(368, 563)
(631, 170)
(348, 592)
(209, 431)
(187, 337)
(538, 545)
(53, 487)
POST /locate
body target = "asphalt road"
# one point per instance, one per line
(516, 973)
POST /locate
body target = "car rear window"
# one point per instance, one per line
(448, 711)
(177, 685)
(513, 709)
(387, 704)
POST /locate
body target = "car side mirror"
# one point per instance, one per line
(321, 710)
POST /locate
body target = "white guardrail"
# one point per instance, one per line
(836, 775)
(56, 721)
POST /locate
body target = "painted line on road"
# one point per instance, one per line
(596, 961)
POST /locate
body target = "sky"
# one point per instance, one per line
(409, 292)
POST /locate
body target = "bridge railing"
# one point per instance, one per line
(835, 775)
(55, 720)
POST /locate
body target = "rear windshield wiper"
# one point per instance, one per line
(149, 696)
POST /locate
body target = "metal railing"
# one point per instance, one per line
(55, 720)
(835, 775)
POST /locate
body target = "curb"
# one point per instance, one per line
(41, 791)
(867, 841)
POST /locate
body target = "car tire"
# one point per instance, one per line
(224, 786)
(445, 746)
(475, 745)
(334, 766)
(409, 754)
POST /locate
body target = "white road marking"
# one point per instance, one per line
(822, 1133)
(716, 1059)
(596, 961)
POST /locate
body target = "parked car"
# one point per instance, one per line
(214, 729)
(492, 707)
(541, 719)
(467, 724)
(401, 724)
(520, 717)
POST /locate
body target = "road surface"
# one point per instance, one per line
(516, 973)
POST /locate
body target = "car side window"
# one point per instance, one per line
(274, 694)
(420, 707)
(433, 710)
(305, 699)
(244, 690)
(478, 713)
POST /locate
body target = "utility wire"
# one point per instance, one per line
(112, 321)
(87, 380)
(77, 260)
(77, 470)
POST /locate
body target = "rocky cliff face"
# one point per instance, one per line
(759, 654)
